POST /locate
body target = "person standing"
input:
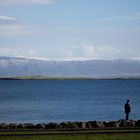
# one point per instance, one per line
(127, 109)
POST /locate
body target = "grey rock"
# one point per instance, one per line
(112, 124)
(53, 126)
(81, 125)
(138, 123)
(4, 126)
(127, 123)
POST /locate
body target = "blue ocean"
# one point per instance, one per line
(44, 101)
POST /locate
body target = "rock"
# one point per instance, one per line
(117, 124)
(40, 126)
(95, 124)
(28, 126)
(72, 125)
(53, 126)
(63, 125)
(82, 125)
(112, 124)
(19, 126)
(12, 126)
(127, 123)
(4, 126)
(138, 123)
(25, 126)
(89, 124)
(100, 124)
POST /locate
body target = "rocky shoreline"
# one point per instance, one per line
(72, 125)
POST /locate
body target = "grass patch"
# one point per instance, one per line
(128, 136)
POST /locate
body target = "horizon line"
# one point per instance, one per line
(66, 59)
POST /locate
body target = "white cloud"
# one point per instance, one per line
(87, 52)
(107, 52)
(5, 20)
(95, 52)
(21, 2)
(83, 52)
(10, 51)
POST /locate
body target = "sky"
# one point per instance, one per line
(70, 29)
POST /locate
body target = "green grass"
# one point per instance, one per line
(77, 137)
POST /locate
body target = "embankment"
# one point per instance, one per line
(71, 125)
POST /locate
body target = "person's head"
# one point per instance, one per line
(128, 101)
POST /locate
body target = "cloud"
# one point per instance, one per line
(10, 51)
(7, 20)
(85, 52)
(97, 52)
(107, 52)
(24, 2)
(132, 17)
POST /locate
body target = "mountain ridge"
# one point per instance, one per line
(94, 68)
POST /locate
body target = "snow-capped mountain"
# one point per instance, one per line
(14, 66)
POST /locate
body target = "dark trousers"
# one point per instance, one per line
(127, 116)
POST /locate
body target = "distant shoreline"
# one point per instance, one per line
(67, 78)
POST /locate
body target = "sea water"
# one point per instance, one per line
(44, 101)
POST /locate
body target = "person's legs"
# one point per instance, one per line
(127, 116)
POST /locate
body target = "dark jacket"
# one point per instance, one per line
(127, 108)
